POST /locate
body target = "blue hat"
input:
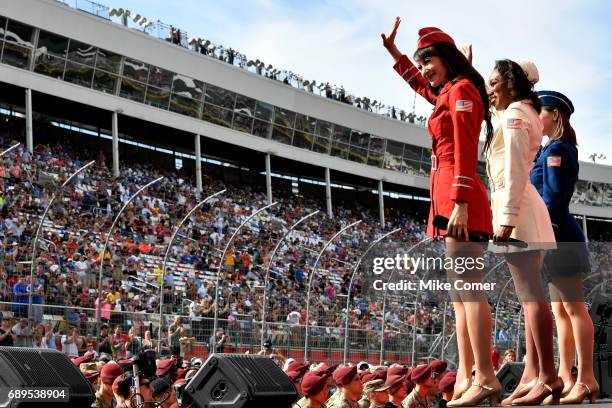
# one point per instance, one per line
(556, 100)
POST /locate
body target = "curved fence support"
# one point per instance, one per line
(312, 274)
(269, 266)
(10, 149)
(40, 226)
(350, 288)
(217, 290)
(107, 240)
(384, 320)
(168, 248)
(499, 298)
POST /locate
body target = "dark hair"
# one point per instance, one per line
(517, 85)
(566, 131)
(457, 66)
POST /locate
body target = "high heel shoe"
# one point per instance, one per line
(486, 392)
(540, 392)
(461, 390)
(567, 387)
(520, 391)
(585, 393)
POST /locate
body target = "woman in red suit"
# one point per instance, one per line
(447, 80)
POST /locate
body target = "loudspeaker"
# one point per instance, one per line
(241, 381)
(22, 367)
(602, 364)
(509, 376)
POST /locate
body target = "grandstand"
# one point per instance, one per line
(142, 108)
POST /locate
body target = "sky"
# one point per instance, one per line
(339, 42)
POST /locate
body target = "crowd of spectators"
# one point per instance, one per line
(69, 256)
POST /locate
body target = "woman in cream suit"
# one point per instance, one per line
(520, 213)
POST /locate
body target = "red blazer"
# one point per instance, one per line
(454, 127)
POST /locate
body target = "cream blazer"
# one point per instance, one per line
(514, 200)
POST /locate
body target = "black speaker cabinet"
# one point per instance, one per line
(602, 365)
(241, 381)
(22, 368)
(509, 376)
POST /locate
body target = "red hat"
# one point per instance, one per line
(420, 373)
(367, 376)
(438, 367)
(380, 375)
(109, 372)
(344, 375)
(431, 35)
(164, 366)
(116, 386)
(324, 368)
(447, 383)
(295, 375)
(313, 383)
(299, 366)
(395, 375)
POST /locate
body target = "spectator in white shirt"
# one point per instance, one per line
(69, 343)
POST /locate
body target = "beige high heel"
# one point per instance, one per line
(462, 390)
(486, 392)
(567, 387)
(520, 391)
(586, 393)
(544, 390)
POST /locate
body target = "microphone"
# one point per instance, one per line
(441, 222)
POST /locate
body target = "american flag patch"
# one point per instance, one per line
(553, 161)
(463, 105)
(514, 123)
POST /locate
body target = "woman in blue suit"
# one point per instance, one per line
(554, 175)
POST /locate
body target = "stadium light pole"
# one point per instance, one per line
(350, 288)
(381, 203)
(198, 164)
(312, 274)
(28, 119)
(328, 196)
(384, 322)
(10, 149)
(229, 242)
(115, 142)
(168, 248)
(269, 266)
(497, 310)
(40, 226)
(269, 177)
(107, 240)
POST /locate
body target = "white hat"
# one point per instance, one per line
(530, 69)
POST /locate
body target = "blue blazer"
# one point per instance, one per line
(554, 175)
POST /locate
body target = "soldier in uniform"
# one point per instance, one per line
(376, 394)
(554, 175)
(296, 379)
(349, 388)
(367, 377)
(315, 389)
(398, 380)
(446, 387)
(424, 382)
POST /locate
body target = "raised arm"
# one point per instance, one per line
(404, 67)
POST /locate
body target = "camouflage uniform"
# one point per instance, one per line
(414, 400)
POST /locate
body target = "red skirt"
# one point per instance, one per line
(480, 218)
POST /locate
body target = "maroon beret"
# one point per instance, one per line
(91, 375)
(420, 373)
(313, 382)
(326, 369)
(294, 375)
(438, 367)
(299, 366)
(366, 376)
(345, 375)
(164, 366)
(109, 372)
(447, 383)
(380, 375)
(83, 359)
(431, 35)
(397, 370)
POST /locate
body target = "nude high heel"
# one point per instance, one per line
(486, 392)
(461, 390)
(586, 393)
(520, 391)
